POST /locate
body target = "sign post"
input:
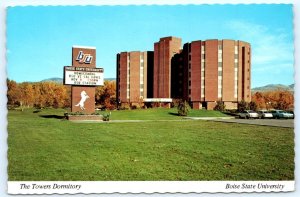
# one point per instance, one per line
(83, 76)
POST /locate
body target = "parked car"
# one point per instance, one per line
(264, 114)
(248, 114)
(282, 114)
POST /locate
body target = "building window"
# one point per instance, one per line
(220, 86)
(220, 58)
(219, 73)
(189, 82)
(202, 56)
(236, 49)
(220, 47)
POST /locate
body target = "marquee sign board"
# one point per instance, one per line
(83, 76)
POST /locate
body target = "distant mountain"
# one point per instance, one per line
(110, 79)
(54, 79)
(60, 80)
(272, 87)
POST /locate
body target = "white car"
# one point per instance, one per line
(248, 114)
(265, 114)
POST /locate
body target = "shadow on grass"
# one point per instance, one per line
(173, 113)
(52, 116)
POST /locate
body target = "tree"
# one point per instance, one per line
(253, 106)
(278, 99)
(242, 105)
(260, 100)
(12, 92)
(26, 94)
(220, 106)
(183, 108)
(106, 95)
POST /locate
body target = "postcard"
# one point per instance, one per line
(150, 99)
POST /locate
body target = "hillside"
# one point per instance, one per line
(272, 87)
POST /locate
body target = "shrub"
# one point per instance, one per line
(220, 106)
(106, 116)
(175, 103)
(243, 105)
(253, 106)
(183, 108)
(124, 106)
(78, 113)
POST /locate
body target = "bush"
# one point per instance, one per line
(183, 108)
(124, 106)
(243, 105)
(106, 116)
(175, 103)
(78, 113)
(253, 106)
(220, 106)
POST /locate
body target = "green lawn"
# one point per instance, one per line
(160, 114)
(44, 147)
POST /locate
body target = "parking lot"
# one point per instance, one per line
(289, 123)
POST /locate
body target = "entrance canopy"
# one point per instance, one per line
(158, 100)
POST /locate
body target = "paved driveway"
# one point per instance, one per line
(266, 122)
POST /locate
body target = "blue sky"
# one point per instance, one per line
(40, 39)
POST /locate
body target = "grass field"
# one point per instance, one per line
(45, 147)
(160, 114)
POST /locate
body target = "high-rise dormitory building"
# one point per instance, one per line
(134, 76)
(202, 72)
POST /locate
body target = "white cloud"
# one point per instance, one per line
(271, 48)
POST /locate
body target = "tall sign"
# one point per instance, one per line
(84, 77)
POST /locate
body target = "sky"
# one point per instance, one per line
(40, 39)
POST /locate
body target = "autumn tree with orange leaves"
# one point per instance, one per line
(278, 99)
(106, 95)
(56, 95)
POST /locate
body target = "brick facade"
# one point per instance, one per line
(132, 76)
(164, 50)
(202, 72)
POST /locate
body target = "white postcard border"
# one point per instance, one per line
(11, 184)
(108, 187)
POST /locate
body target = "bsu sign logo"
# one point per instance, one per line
(84, 58)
